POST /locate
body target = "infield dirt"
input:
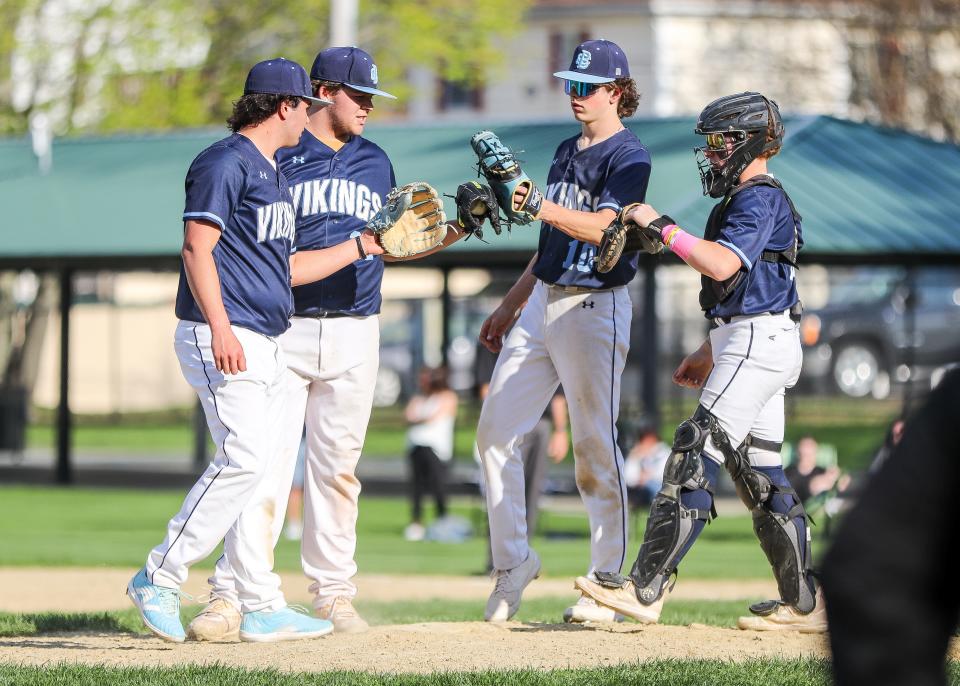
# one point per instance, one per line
(423, 648)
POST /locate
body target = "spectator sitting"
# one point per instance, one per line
(643, 467)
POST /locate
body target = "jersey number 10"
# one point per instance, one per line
(582, 261)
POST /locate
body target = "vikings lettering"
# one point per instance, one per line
(335, 195)
(275, 221)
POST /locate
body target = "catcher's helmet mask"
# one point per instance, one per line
(755, 124)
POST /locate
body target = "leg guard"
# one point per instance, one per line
(679, 511)
(775, 507)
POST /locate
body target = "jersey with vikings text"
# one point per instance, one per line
(232, 185)
(759, 219)
(335, 194)
(610, 174)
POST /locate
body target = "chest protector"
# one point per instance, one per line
(713, 292)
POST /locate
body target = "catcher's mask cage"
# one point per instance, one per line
(754, 123)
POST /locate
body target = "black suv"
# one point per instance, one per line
(882, 326)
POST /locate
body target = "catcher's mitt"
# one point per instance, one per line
(502, 170)
(624, 235)
(411, 220)
(476, 202)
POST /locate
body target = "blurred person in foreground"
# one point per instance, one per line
(890, 575)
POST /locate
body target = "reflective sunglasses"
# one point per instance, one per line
(717, 142)
(581, 89)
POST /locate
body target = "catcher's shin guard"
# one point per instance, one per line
(779, 521)
(679, 511)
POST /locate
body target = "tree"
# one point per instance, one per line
(904, 64)
(155, 64)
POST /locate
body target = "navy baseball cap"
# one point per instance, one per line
(280, 76)
(350, 66)
(596, 61)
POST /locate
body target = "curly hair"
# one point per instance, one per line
(629, 96)
(254, 108)
(331, 86)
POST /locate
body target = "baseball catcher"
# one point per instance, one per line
(747, 261)
(411, 220)
(625, 235)
(500, 166)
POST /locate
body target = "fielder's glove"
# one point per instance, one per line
(625, 235)
(476, 202)
(502, 170)
(411, 220)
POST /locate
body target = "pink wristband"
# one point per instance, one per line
(682, 243)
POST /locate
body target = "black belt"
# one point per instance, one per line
(324, 315)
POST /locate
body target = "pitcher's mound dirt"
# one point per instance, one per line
(426, 648)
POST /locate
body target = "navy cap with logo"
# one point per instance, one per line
(350, 66)
(596, 61)
(280, 76)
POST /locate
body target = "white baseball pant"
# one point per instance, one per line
(579, 340)
(756, 358)
(332, 370)
(242, 412)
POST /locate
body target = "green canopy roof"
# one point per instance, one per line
(866, 193)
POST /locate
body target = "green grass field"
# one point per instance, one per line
(114, 527)
(656, 673)
(855, 427)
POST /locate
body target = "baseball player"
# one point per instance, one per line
(233, 303)
(573, 329)
(339, 180)
(747, 260)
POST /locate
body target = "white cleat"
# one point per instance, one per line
(505, 599)
(622, 599)
(219, 621)
(345, 618)
(586, 609)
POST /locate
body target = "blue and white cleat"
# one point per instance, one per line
(159, 607)
(285, 624)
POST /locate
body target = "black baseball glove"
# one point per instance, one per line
(476, 202)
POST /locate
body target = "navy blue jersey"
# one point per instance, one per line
(232, 185)
(758, 219)
(610, 174)
(335, 193)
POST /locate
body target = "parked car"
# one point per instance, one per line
(883, 326)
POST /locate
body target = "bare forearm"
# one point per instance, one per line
(204, 282)
(583, 226)
(308, 266)
(520, 292)
(713, 260)
(558, 412)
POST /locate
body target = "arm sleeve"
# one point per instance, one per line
(747, 228)
(626, 182)
(214, 186)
